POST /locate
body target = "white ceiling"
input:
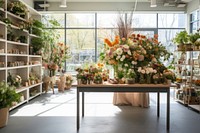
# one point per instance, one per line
(101, 0)
(158, 1)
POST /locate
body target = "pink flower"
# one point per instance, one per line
(141, 57)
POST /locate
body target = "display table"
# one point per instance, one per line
(106, 87)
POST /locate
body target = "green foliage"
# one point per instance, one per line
(1, 3)
(14, 81)
(7, 95)
(194, 37)
(37, 44)
(17, 8)
(181, 38)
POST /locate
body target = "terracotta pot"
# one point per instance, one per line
(3, 117)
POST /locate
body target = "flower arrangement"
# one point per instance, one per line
(92, 73)
(169, 75)
(69, 79)
(137, 52)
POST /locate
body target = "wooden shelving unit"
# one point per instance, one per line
(22, 70)
(188, 67)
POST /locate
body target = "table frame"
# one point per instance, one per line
(124, 88)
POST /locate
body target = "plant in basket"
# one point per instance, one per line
(7, 98)
(169, 75)
(98, 78)
(69, 80)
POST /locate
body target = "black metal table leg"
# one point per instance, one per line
(83, 103)
(168, 109)
(158, 104)
(78, 113)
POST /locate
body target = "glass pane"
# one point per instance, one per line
(80, 20)
(59, 17)
(107, 20)
(166, 36)
(194, 27)
(101, 35)
(82, 45)
(144, 21)
(194, 16)
(171, 20)
(146, 33)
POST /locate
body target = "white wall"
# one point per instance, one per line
(110, 6)
(192, 6)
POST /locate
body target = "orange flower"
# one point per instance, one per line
(100, 65)
(108, 42)
(156, 36)
(116, 41)
(142, 36)
(123, 39)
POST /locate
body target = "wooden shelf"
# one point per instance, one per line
(18, 105)
(35, 85)
(35, 56)
(17, 28)
(1, 9)
(35, 65)
(17, 43)
(34, 96)
(3, 23)
(2, 68)
(21, 89)
(25, 55)
(32, 35)
(2, 54)
(2, 40)
(15, 16)
(17, 67)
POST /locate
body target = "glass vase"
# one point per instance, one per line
(141, 79)
(148, 79)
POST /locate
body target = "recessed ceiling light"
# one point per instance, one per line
(63, 3)
(153, 3)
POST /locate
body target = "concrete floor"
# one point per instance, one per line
(56, 114)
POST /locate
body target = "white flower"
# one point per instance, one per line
(126, 65)
(119, 51)
(126, 46)
(154, 71)
(143, 71)
(118, 57)
(129, 52)
(123, 57)
(134, 62)
(120, 69)
(139, 69)
(144, 52)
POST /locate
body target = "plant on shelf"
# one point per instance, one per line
(195, 39)
(181, 39)
(7, 97)
(2, 3)
(35, 27)
(14, 80)
(37, 45)
(17, 8)
(22, 39)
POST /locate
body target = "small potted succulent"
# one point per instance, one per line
(7, 98)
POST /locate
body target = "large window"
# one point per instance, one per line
(194, 21)
(85, 32)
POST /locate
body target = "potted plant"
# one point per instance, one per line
(194, 39)
(181, 39)
(98, 78)
(130, 77)
(7, 97)
(37, 45)
(1, 3)
(69, 80)
(17, 8)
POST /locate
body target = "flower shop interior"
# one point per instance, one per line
(99, 66)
